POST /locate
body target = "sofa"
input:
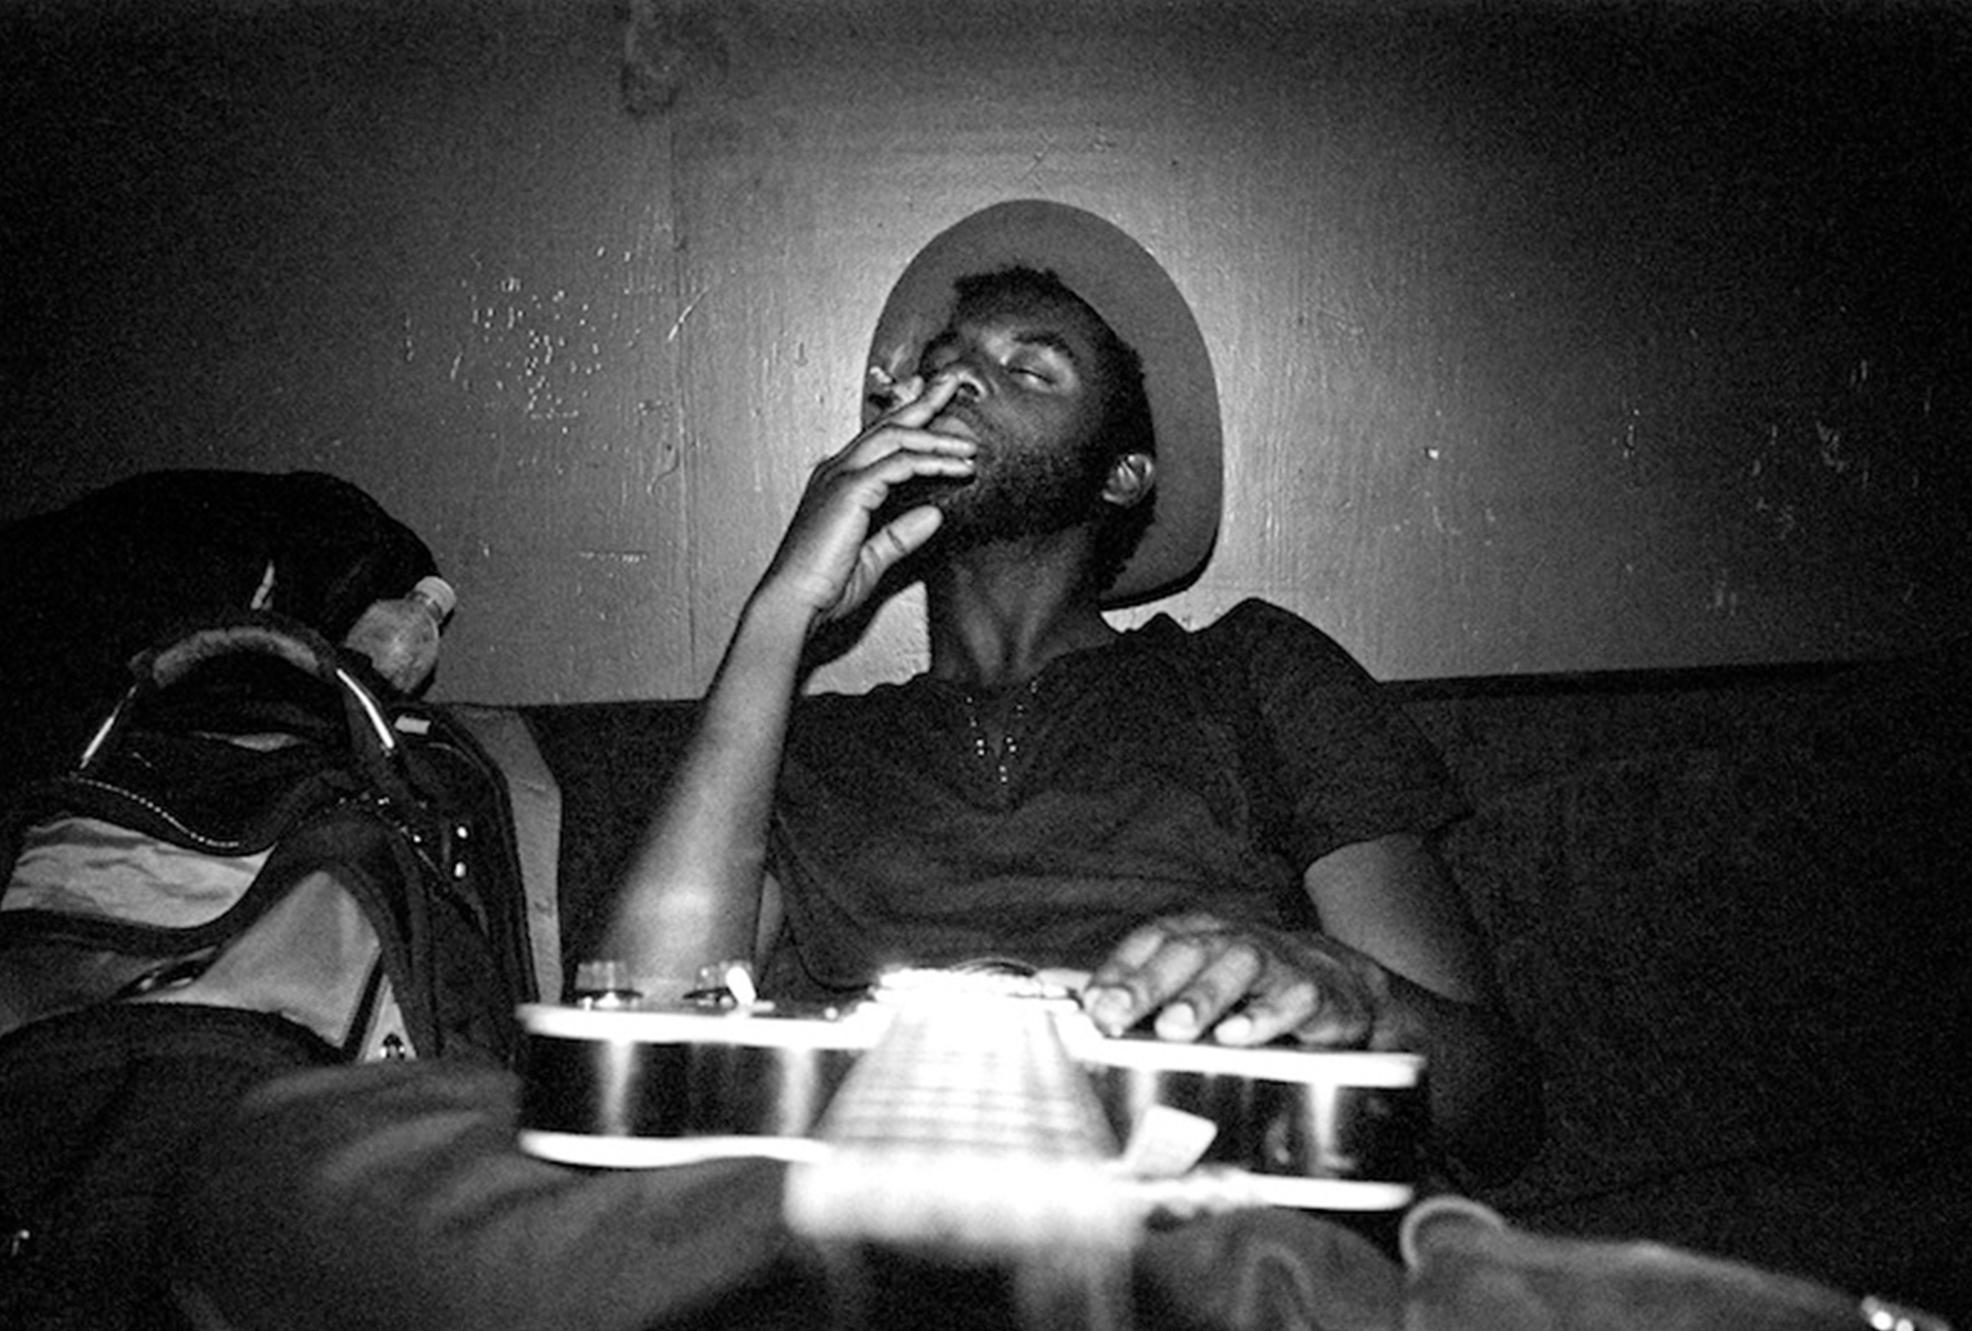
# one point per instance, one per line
(1729, 905)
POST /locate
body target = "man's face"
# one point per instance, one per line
(1031, 394)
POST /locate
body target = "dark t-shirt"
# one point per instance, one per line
(1168, 771)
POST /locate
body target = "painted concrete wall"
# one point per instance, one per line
(1550, 337)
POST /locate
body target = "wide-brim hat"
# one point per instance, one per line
(1137, 298)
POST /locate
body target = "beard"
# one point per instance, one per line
(1022, 489)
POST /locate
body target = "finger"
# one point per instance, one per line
(1111, 997)
(923, 405)
(1142, 943)
(1137, 947)
(884, 548)
(1211, 992)
(1324, 1009)
(908, 481)
(1146, 971)
(866, 473)
(1276, 1003)
(887, 438)
(826, 559)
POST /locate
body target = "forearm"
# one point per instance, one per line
(1484, 1077)
(692, 894)
(1431, 987)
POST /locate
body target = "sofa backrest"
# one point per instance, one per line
(1705, 890)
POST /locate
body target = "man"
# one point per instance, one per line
(1226, 827)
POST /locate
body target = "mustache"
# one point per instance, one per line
(966, 412)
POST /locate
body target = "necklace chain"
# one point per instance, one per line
(1001, 762)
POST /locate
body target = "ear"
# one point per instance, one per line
(1131, 479)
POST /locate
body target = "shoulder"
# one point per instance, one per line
(881, 698)
(825, 718)
(1268, 639)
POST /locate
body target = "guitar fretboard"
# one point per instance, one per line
(985, 1076)
(967, 1135)
(969, 1122)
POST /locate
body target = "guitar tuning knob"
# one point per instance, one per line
(726, 984)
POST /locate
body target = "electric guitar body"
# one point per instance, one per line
(974, 1126)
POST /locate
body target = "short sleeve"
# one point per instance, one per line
(1352, 767)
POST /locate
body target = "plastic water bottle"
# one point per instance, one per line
(400, 636)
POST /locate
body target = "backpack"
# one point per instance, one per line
(259, 863)
(89, 585)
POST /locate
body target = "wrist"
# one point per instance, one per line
(776, 612)
(765, 650)
(1388, 1021)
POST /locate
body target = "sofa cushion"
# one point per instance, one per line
(1732, 913)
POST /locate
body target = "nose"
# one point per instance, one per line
(969, 382)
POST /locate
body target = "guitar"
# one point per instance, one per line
(981, 1122)
(647, 1085)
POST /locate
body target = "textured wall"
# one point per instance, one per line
(422, 247)
(1550, 337)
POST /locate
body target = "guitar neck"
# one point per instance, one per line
(969, 1120)
(967, 1139)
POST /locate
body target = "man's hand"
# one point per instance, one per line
(1244, 984)
(830, 561)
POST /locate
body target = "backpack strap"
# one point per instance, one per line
(535, 798)
(371, 739)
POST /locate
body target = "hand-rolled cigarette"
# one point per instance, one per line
(887, 393)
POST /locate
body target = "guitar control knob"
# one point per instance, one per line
(604, 984)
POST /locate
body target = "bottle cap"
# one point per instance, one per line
(439, 592)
